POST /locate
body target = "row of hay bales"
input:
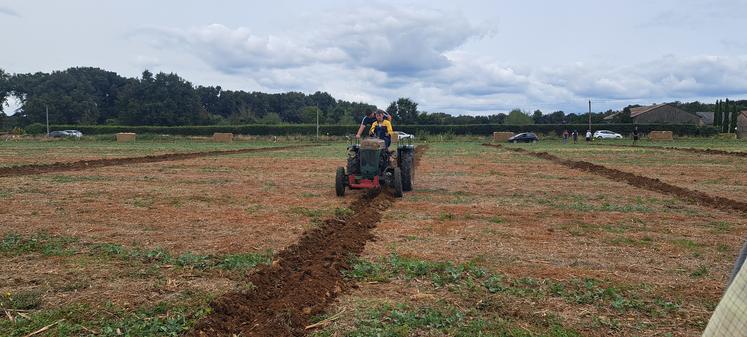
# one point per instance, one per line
(222, 137)
(653, 135)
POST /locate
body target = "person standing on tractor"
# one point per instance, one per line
(369, 119)
(382, 128)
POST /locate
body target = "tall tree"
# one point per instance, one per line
(518, 117)
(717, 114)
(165, 99)
(309, 115)
(404, 110)
(734, 116)
(725, 116)
(537, 116)
(4, 88)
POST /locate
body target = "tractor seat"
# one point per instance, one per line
(372, 144)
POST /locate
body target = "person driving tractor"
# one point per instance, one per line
(382, 128)
(369, 119)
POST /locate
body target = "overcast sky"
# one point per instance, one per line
(473, 57)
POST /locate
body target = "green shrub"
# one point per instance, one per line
(36, 129)
(422, 132)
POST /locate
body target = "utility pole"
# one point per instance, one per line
(589, 115)
(46, 108)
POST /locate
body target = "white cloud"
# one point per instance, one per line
(398, 41)
(393, 40)
(379, 53)
(147, 62)
(235, 50)
(9, 11)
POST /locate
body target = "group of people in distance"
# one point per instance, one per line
(381, 126)
(588, 137)
(573, 134)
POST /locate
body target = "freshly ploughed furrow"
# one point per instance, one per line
(302, 280)
(24, 170)
(685, 149)
(632, 179)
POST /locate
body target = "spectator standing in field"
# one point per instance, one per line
(588, 136)
(575, 136)
(565, 136)
(635, 136)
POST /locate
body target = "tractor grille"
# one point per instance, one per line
(370, 162)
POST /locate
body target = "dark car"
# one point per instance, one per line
(524, 137)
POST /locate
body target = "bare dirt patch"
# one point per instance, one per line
(30, 169)
(642, 182)
(538, 222)
(738, 154)
(303, 278)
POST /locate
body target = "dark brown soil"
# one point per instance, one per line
(302, 280)
(24, 170)
(651, 184)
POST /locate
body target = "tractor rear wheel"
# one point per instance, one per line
(397, 183)
(408, 171)
(340, 182)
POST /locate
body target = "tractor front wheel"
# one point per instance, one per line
(340, 182)
(397, 182)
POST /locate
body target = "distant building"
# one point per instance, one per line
(661, 114)
(742, 125)
(706, 117)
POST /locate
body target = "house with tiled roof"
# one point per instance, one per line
(661, 114)
(706, 117)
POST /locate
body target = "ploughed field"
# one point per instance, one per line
(491, 241)
(48, 151)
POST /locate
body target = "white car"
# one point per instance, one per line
(403, 135)
(74, 133)
(607, 134)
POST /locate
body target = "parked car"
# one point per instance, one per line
(57, 134)
(403, 135)
(74, 133)
(65, 133)
(524, 137)
(607, 134)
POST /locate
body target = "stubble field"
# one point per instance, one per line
(491, 242)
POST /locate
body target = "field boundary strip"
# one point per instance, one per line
(303, 279)
(651, 184)
(683, 149)
(33, 169)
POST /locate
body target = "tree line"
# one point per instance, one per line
(93, 96)
(726, 114)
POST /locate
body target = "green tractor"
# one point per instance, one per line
(371, 165)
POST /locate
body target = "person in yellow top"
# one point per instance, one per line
(382, 129)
